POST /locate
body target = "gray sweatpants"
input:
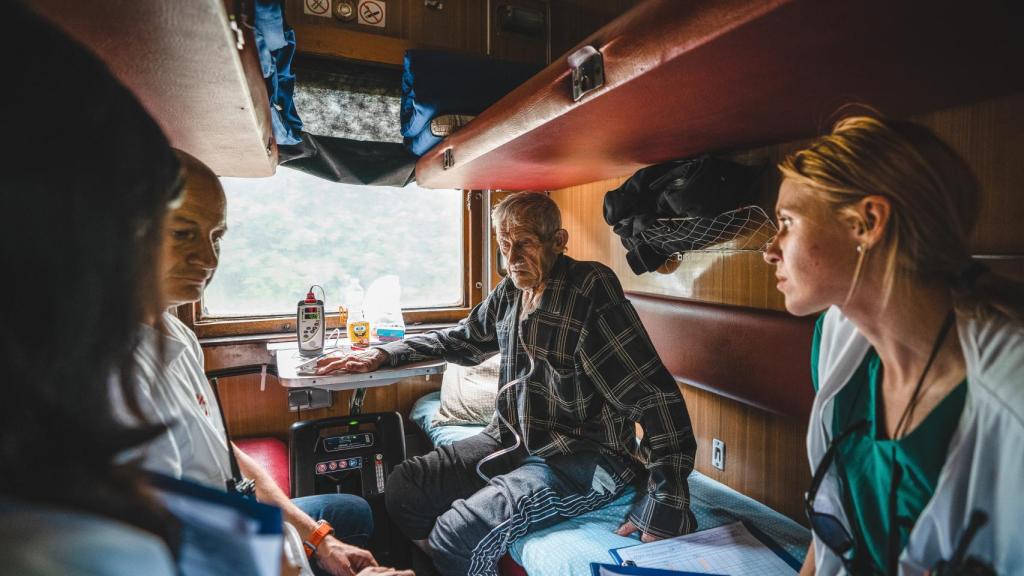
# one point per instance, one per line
(469, 523)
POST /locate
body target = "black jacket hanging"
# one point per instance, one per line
(699, 188)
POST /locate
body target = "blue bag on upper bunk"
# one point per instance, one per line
(437, 83)
(420, 143)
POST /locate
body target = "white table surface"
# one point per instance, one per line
(286, 356)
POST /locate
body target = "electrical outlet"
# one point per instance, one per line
(718, 454)
(308, 399)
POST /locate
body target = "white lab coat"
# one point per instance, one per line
(984, 468)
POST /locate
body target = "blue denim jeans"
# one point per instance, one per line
(469, 523)
(349, 515)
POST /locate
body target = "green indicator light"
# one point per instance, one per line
(353, 422)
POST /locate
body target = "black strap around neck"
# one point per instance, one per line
(946, 325)
(212, 376)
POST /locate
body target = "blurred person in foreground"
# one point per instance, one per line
(87, 177)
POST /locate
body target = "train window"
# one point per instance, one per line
(293, 230)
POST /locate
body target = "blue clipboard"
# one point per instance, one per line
(220, 533)
(609, 569)
(755, 532)
(266, 518)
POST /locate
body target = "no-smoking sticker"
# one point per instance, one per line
(372, 13)
(317, 7)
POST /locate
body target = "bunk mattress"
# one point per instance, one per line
(568, 548)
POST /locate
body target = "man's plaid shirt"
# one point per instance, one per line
(596, 374)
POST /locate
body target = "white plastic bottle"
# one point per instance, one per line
(358, 327)
(383, 308)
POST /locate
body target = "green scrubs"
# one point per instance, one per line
(880, 475)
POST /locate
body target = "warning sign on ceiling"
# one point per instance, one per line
(317, 7)
(372, 13)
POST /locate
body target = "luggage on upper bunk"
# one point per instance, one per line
(438, 83)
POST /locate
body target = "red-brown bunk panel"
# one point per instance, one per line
(689, 76)
(758, 357)
(182, 59)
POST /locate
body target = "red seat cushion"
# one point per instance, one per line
(508, 567)
(272, 455)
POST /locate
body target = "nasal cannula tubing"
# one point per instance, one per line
(497, 410)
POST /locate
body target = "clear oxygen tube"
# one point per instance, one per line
(497, 410)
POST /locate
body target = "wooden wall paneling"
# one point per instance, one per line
(765, 454)
(251, 411)
(514, 46)
(582, 210)
(332, 42)
(990, 136)
(574, 20)
(459, 25)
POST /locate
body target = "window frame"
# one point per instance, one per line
(472, 292)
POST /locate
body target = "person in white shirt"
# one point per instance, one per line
(916, 438)
(176, 393)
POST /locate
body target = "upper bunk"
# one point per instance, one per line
(193, 65)
(684, 77)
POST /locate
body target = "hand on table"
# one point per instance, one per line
(364, 361)
(628, 528)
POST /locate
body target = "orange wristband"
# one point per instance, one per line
(322, 530)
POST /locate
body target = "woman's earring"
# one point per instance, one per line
(862, 250)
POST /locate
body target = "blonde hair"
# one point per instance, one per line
(934, 197)
(534, 210)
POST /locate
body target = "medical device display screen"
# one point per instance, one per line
(348, 442)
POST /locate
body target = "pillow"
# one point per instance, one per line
(467, 393)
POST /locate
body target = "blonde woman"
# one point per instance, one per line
(916, 438)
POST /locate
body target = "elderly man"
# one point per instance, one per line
(173, 391)
(577, 371)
